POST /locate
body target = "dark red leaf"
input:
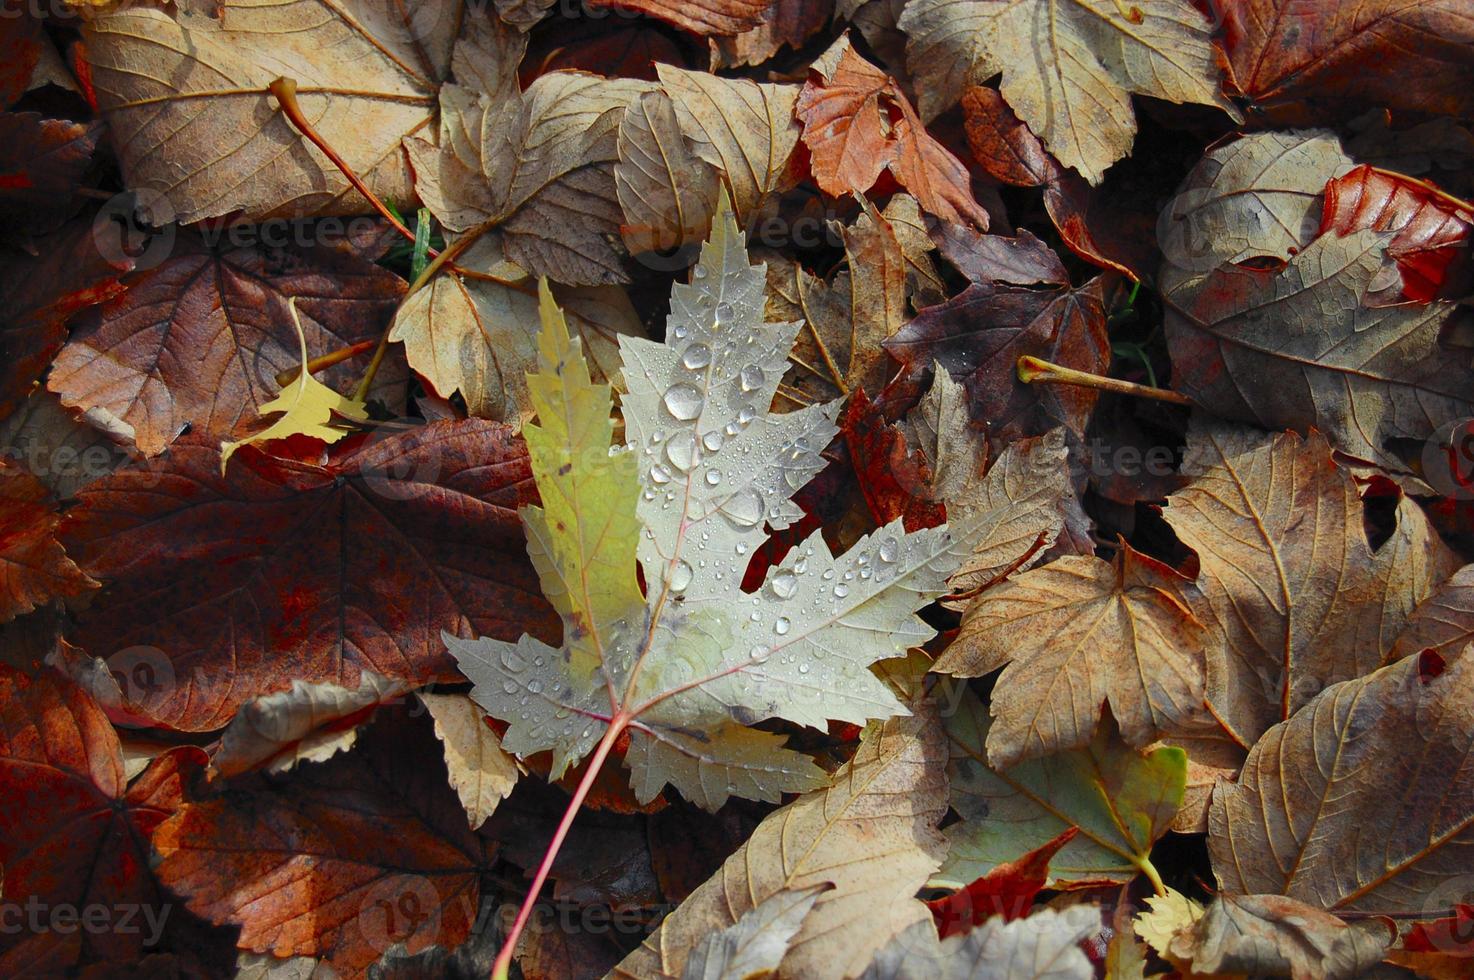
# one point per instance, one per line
(891, 477)
(42, 164)
(1008, 890)
(33, 567)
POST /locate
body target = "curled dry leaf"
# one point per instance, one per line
(309, 570)
(1272, 519)
(1079, 634)
(871, 835)
(480, 771)
(1045, 946)
(784, 23)
(1069, 68)
(379, 854)
(1363, 801)
(34, 568)
(199, 340)
(1444, 622)
(1121, 801)
(185, 93)
(74, 833)
(1272, 935)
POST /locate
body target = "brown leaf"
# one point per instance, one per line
(979, 335)
(1363, 801)
(1277, 936)
(784, 23)
(744, 129)
(73, 833)
(1272, 520)
(872, 835)
(21, 41)
(33, 567)
(199, 340)
(1444, 622)
(667, 192)
(857, 124)
(1077, 634)
(1402, 54)
(306, 570)
(339, 860)
(1002, 143)
(1021, 261)
(701, 17)
(42, 165)
(57, 446)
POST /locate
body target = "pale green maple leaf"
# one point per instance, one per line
(687, 666)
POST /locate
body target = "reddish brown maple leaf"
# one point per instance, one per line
(1432, 230)
(858, 124)
(20, 49)
(1402, 54)
(200, 339)
(339, 860)
(285, 569)
(33, 567)
(74, 833)
(890, 475)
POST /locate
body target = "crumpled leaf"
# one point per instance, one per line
(304, 723)
(871, 835)
(1277, 936)
(1363, 801)
(474, 334)
(858, 123)
(1078, 634)
(1166, 915)
(697, 660)
(1272, 520)
(339, 860)
(744, 129)
(307, 406)
(480, 771)
(1402, 54)
(755, 944)
(1121, 800)
(1069, 68)
(74, 832)
(535, 166)
(1444, 622)
(199, 339)
(34, 567)
(184, 91)
(1045, 946)
(305, 570)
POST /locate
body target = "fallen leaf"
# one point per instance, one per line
(198, 340)
(1272, 519)
(56, 446)
(1121, 801)
(1074, 636)
(894, 479)
(1008, 891)
(667, 192)
(305, 723)
(1443, 622)
(473, 333)
(699, 431)
(858, 123)
(870, 835)
(1166, 915)
(21, 41)
(1277, 936)
(744, 129)
(1069, 69)
(756, 943)
(785, 23)
(43, 163)
(1403, 54)
(1432, 232)
(700, 17)
(1045, 946)
(339, 860)
(34, 568)
(1380, 758)
(74, 833)
(308, 571)
(481, 773)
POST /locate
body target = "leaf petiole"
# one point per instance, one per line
(1033, 370)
